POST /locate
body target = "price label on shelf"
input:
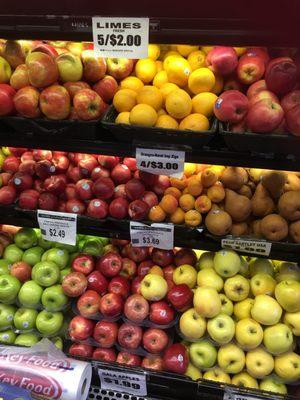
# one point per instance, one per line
(160, 162)
(132, 383)
(258, 247)
(155, 235)
(121, 37)
(57, 226)
(239, 396)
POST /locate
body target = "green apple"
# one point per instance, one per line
(226, 304)
(30, 294)
(25, 238)
(45, 244)
(258, 265)
(209, 277)
(193, 372)
(54, 299)
(244, 380)
(259, 363)
(105, 241)
(33, 255)
(207, 302)
(221, 328)
(154, 287)
(287, 294)
(81, 244)
(68, 247)
(7, 313)
(58, 256)
(185, 274)
(217, 375)
(94, 247)
(203, 354)
(292, 320)
(63, 273)
(7, 337)
(24, 319)
(244, 269)
(58, 342)
(237, 288)
(248, 333)
(9, 288)
(278, 339)
(45, 273)
(288, 271)
(262, 283)
(5, 266)
(231, 358)
(272, 384)
(266, 310)
(206, 260)
(192, 325)
(227, 263)
(27, 339)
(242, 309)
(12, 253)
(49, 323)
(287, 366)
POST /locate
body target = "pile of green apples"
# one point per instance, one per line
(245, 320)
(32, 302)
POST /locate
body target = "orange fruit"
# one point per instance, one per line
(178, 70)
(153, 51)
(156, 214)
(167, 88)
(123, 118)
(124, 100)
(178, 216)
(186, 202)
(178, 104)
(186, 49)
(203, 103)
(173, 191)
(193, 218)
(145, 69)
(203, 204)
(218, 87)
(195, 122)
(160, 112)
(159, 65)
(169, 203)
(194, 186)
(201, 80)
(190, 169)
(150, 95)
(143, 114)
(167, 122)
(160, 78)
(178, 183)
(131, 82)
(196, 59)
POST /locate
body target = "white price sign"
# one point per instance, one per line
(132, 383)
(58, 226)
(160, 162)
(121, 37)
(155, 235)
(238, 396)
(257, 247)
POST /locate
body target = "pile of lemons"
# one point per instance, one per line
(171, 89)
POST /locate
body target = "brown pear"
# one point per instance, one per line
(294, 231)
(292, 182)
(237, 206)
(256, 228)
(274, 182)
(218, 222)
(234, 178)
(209, 177)
(256, 174)
(239, 229)
(262, 203)
(245, 190)
(274, 227)
(289, 205)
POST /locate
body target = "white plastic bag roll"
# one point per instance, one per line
(45, 371)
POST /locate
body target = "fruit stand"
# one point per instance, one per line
(149, 200)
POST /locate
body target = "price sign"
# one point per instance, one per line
(160, 162)
(155, 235)
(238, 396)
(121, 37)
(258, 247)
(132, 383)
(57, 226)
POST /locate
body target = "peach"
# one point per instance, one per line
(194, 186)
(222, 60)
(173, 191)
(263, 94)
(42, 69)
(256, 87)
(281, 75)
(232, 106)
(156, 270)
(216, 193)
(208, 177)
(250, 69)
(177, 217)
(264, 116)
(293, 120)
(187, 202)
(203, 204)
(193, 218)
(156, 214)
(168, 203)
(290, 100)
(178, 183)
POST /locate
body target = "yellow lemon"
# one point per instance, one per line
(123, 118)
(160, 112)
(240, 50)
(178, 71)
(145, 69)
(171, 53)
(159, 65)
(160, 78)
(143, 114)
(150, 95)
(203, 103)
(217, 89)
(124, 100)
(166, 121)
(185, 49)
(207, 49)
(196, 59)
(153, 51)
(195, 122)
(132, 82)
(167, 88)
(201, 80)
(178, 104)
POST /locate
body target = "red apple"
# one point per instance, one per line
(290, 100)
(293, 120)
(105, 355)
(105, 333)
(119, 192)
(97, 208)
(28, 199)
(11, 164)
(108, 162)
(88, 105)
(106, 88)
(74, 87)
(56, 184)
(21, 270)
(99, 172)
(132, 360)
(84, 189)
(80, 328)
(87, 164)
(162, 257)
(19, 78)
(88, 303)
(120, 174)
(120, 242)
(74, 284)
(130, 163)
(61, 207)
(161, 313)
(136, 285)
(118, 208)
(26, 102)
(136, 308)
(144, 267)
(83, 263)
(39, 155)
(119, 285)
(119, 68)
(155, 340)
(222, 60)
(55, 102)
(153, 362)
(168, 272)
(232, 83)
(150, 198)
(256, 87)
(7, 94)
(250, 69)
(5, 178)
(45, 48)
(128, 268)
(70, 192)
(22, 181)
(176, 359)
(27, 167)
(138, 210)
(180, 297)
(109, 264)
(264, 116)
(26, 155)
(44, 168)
(148, 178)
(134, 189)
(130, 336)
(260, 52)
(8, 195)
(103, 188)
(97, 282)
(232, 106)
(81, 350)
(162, 183)
(75, 206)
(185, 256)
(74, 174)
(281, 75)
(111, 305)
(137, 254)
(94, 66)
(263, 94)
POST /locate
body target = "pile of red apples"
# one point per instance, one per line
(261, 94)
(114, 322)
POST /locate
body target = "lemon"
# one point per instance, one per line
(201, 80)
(153, 51)
(160, 78)
(124, 100)
(123, 118)
(178, 104)
(203, 103)
(195, 122)
(166, 121)
(143, 114)
(145, 69)
(178, 71)
(150, 95)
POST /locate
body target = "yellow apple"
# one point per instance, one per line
(237, 288)
(203, 354)
(244, 269)
(70, 67)
(231, 358)
(278, 339)
(154, 287)
(226, 304)
(258, 265)
(192, 325)
(185, 274)
(217, 375)
(288, 271)
(243, 379)
(221, 328)
(193, 372)
(208, 277)
(5, 71)
(248, 333)
(262, 283)
(259, 363)
(272, 384)
(292, 320)
(227, 263)
(207, 302)
(266, 310)
(287, 294)
(287, 366)
(242, 309)
(206, 260)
